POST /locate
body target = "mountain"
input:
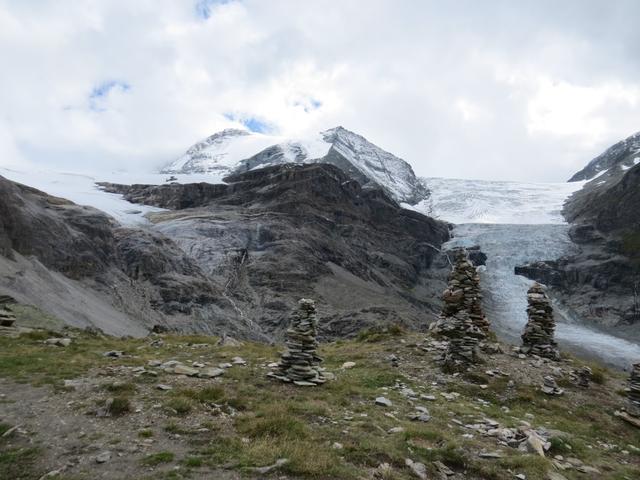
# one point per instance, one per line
(623, 155)
(77, 264)
(273, 235)
(225, 258)
(234, 151)
(602, 280)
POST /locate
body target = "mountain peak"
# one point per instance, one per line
(234, 151)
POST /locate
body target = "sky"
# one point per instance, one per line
(506, 90)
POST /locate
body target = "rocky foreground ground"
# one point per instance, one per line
(170, 407)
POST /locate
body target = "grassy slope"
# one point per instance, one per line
(252, 421)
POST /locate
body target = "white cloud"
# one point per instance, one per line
(456, 88)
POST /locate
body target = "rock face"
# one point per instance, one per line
(601, 282)
(271, 236)
(621, 155)
(234, 151)
(76, 263)
(538, 336)
(300, 363)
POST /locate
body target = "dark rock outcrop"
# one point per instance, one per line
(601, 282)
(119, 279)
(277, 234)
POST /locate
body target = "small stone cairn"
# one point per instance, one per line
(537, 338)
(463, 291)
(633, 391)
(300, 364)
(7, 318)
(582, 376)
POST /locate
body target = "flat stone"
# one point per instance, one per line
(184, 370)
(303, 383)
(162, 386)
(555, 476)
(58, 342)
(385, 402)
(347, 365)
(535, 445)
(264, 470)
(418, 469)
(490, 455)
(104, 457)
(210, 372)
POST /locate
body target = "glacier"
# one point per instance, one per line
(516, 223)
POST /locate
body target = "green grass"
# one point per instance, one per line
(271, 420)
(159, 458)
(179, 405)
(120, 406)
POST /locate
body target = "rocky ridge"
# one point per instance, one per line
(273, 235)
(602, 280)
(77, 263)
(235, 151)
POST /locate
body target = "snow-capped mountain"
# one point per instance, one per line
(235, 151)
(623, 155)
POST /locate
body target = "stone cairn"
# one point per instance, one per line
(464, 337)
(633, 391)
(537, 338)
(582, 376)
(462, 321)
(463, 292)
(7, 318)
(300, 364)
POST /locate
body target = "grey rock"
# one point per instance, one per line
(383, 401)
(103, 457)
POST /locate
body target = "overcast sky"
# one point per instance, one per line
(510, 90)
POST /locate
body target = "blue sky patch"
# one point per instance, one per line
(101, 92)
(309, 104)
(203, 7)
(253, 124)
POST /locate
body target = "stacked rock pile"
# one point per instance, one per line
(550, 387)
(633, 392)
(463, 291)
(582, 376)
(300, 363)
(464, 337)
(7, 318)
(537, 338)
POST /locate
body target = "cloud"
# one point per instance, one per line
(494, 89)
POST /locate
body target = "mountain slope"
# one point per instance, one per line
(279, 233)
(77, 263)
(601, 281)
(234, 151)
(623, 155)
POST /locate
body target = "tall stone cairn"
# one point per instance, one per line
(299, 363)
(633, 391)
(464, 337)
(537, 338)
(463, 292)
